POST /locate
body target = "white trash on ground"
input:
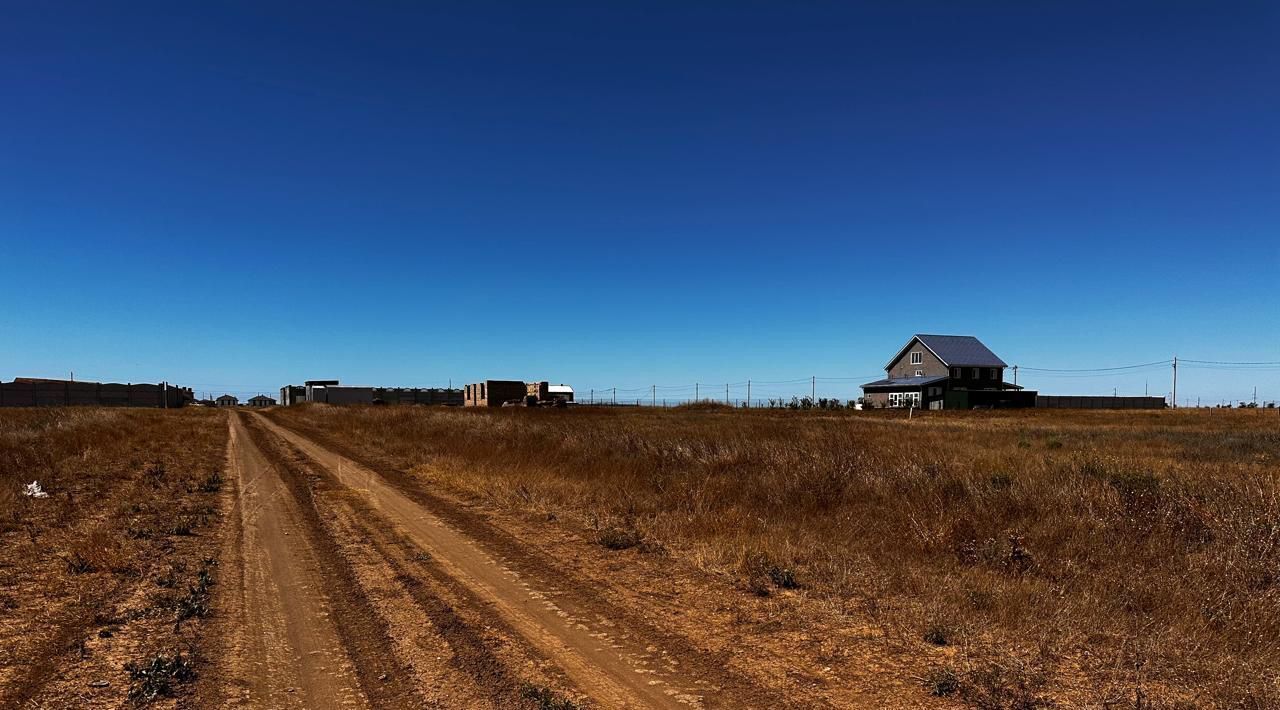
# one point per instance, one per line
(34, 490)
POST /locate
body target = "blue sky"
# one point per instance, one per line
(614, 194)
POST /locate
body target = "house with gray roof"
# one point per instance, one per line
(945, 372)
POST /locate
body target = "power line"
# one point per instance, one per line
(1096, 369)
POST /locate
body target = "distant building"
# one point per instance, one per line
(315, 389)
(227, 400)
(543, 392)
(332, 392)
(293, 394)
(494, 393)
(418, 395)
(946, 372)
(261, 401)
(345, 394)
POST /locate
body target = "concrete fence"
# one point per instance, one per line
(1099, 402)
(91, 394)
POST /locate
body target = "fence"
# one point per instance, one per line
(1103, 402)
(56, 393)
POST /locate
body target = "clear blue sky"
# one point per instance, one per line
(605, 194)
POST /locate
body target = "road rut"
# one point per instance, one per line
(613, 670)
(289, 652)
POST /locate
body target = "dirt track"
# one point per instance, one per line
(288, 650)
(342, 589)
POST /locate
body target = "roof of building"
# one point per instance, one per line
(954, 351)
(227, 396)
(905, 381)
(261, 396)
(559, 389)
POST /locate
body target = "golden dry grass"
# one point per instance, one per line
(132, 511)
(1109, 559)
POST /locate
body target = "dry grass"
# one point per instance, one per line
(132, 510)
(1116, 559)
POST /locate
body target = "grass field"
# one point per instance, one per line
(1107, 559)
(105, 580)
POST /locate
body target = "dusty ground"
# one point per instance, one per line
(206, 559)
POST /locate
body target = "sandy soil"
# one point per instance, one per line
(287, 652)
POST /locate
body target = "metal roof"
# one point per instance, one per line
(905, 381)
(559, 389)
(955, 351)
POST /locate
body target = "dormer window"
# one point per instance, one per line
(917, 358)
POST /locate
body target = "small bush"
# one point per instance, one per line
(155, 473)
(616, 538)
(544, 698)
(937, 635)
(783, 577)
(157, 678)
(212, 484)
(184, 526)
(79, 564)
(941, 682)
(1005, 687)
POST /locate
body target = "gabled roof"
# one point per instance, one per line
(954, 351)
(905, 381)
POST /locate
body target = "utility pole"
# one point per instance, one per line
(1175, 381)
(593, 395)
(655, 395)
(1255, 395)
(813, 388)
(726, 393)
(1015, 375)
(615, 395)
(695, 391)
(748, 394)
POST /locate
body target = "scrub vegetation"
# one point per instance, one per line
(1077, 558)
(105, 574)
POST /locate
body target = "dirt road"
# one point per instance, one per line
(345, 590)
(288, 652)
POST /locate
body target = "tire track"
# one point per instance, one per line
(613, 660)
(480, 657)
(307, 635)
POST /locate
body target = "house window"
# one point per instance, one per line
(975, 374)
(955, 372)
(917, 358)
(919, 373)
(904, 399)
(994, 376)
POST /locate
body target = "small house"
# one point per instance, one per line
(227, 400)
(494, 393)
(261, 401)
(946, 372)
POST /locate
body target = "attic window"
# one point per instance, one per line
(917, 358)
(919, 373)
